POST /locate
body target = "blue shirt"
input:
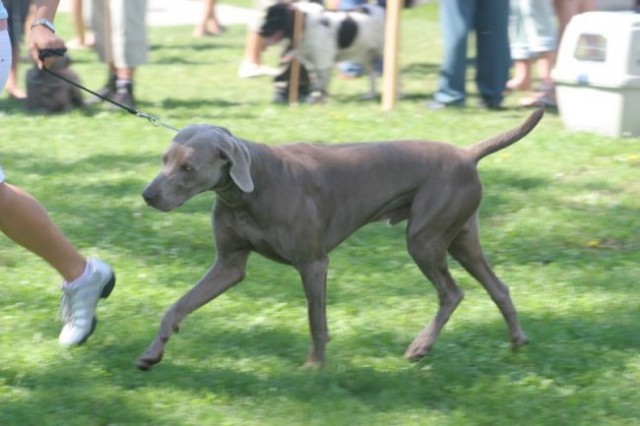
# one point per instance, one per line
(3, 12)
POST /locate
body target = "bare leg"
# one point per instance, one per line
(83, 38)
(522, 76)
(222, 276)
(209, 24)
(314, 280)
(565, 10)
(253, 48)
(252, 63)
(12, 86)
(545, 65)
(78, 21)
(545, 94)
(25, 221)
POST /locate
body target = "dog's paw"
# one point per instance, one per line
(417, 349)
(368, 97)
(518, 342)
(145, 362)
(316, 97)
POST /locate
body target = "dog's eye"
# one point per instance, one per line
(187, 168)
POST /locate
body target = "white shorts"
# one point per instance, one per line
(5, 67)
(5, 58)
(532, 28)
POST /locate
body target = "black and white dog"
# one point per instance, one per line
(329, 37)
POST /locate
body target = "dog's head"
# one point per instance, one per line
(278, 23)
(200, 158)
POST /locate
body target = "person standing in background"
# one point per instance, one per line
(121, 42)
(532, 37)
(84, 38)
(251, 65)
(18, 12)
(567, 9)
(209, 25)
(490, 21)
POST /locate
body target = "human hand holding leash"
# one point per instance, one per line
(42, 34)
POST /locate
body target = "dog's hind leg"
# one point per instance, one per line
(224, 274)
(467, 250)
(431, 256)
(436, 217)
(314, 280)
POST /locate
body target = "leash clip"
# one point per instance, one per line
(155, 120)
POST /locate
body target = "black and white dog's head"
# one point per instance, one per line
(278, 23)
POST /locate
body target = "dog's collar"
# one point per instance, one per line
(224, 186)
(224, 192)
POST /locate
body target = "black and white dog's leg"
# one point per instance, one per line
(372, 67)
(320, 79)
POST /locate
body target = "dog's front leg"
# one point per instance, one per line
(223, 275)
(314, 280)
(372, 71)
(319, 85)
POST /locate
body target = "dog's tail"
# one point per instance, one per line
(480, 150)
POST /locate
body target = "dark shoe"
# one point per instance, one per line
(124, 98)
(436, 105)
(491, 105)
(124, 94)
(106, 91)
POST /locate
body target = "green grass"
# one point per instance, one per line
(559, 223)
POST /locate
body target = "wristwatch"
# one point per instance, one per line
(45, 23)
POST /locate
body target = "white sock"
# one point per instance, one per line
(80, 279)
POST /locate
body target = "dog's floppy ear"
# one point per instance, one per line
(238, 156)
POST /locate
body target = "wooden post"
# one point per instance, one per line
(294, 76)
(391, 48)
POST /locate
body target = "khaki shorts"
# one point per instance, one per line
(125, 22)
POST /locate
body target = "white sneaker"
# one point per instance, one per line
(249, 70)
(79, 302)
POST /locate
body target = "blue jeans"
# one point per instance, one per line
(490, 21)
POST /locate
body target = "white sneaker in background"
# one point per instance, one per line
(250, 70)
(79, 302)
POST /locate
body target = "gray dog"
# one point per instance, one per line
(295, 203)
(48, 94)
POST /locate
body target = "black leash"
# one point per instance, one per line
(46, 53)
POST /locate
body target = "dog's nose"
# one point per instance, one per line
(148, 196)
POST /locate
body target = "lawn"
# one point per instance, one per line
(559, 222)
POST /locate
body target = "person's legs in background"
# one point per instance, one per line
(493, 59)
(520, 54)
(567, 9)
(83, 37)
(251, 65)
(209, 25)
(532, 34)
(121, 42)
(455, 18)
(18, 13)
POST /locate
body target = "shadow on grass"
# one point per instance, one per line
(466, 372)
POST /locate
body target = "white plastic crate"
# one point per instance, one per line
(597, 74)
